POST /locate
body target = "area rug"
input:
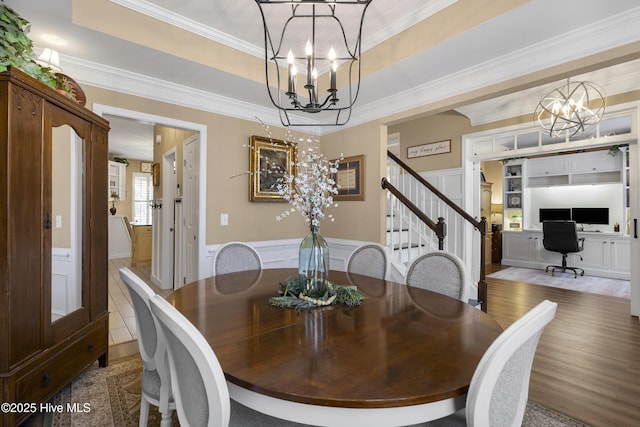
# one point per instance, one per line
(113, 396)
(592, 284)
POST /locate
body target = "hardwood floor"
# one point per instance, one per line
(587, 364)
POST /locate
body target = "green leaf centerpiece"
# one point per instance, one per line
(293, 294)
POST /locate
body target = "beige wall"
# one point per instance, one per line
(493, 173)
(61, 154)
(227, 155)
(439, 127)
(360, 220)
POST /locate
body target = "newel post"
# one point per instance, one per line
(482, 283)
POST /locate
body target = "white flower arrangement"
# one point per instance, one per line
(311, 190)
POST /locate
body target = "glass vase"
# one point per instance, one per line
(313, 263)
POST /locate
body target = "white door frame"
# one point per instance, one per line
(101, 110)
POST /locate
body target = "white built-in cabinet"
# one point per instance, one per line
(604, 255)
(597, 167)
(117, 180)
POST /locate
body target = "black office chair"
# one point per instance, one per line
(562, 236)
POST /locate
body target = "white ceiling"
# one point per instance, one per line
(457, 72)
(130, 139)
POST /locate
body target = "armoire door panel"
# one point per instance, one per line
(25, 226)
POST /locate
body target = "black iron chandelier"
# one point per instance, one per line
(322, 22)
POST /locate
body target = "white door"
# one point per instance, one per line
(169, 185)
(190, 176)
(634, 229)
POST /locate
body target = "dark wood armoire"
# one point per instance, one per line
(54, 318)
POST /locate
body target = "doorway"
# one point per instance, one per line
(472, 178)
(196, 200)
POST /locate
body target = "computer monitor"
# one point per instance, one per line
(590, 215)
(555, 214)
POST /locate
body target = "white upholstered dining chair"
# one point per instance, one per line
(155, 382)
(369, 260)
(232, 257)
(441, 272)
(199, 385)
(499, 388)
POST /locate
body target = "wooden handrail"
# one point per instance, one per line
(434, 190)
(481, 225)
(440, 228)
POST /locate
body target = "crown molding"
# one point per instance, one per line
(118, 80)
(420, 13)
(187, 24)
(585, 41)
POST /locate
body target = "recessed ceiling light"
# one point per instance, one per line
(54, 40)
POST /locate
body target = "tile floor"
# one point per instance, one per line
(122, 321)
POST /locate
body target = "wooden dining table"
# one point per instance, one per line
(404, 356)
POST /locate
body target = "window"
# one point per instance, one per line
(142, 196)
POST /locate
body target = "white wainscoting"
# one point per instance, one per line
(64, 289)
(284, 253)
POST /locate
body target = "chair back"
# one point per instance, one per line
(148, 340)
(499, 389)
(368, 260)
(441, 272)
(199, 387)
(235, 256)
(560, 236)
(153, 349)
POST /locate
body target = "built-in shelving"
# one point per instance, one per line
(513, 197)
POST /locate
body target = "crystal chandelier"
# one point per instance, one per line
(332, 30)
(568, 109)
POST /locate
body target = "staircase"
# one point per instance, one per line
(407, 238)
(412, 203)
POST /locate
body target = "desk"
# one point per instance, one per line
(404, 356)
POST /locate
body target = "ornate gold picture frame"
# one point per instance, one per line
(270, 160)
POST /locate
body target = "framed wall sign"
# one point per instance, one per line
(270, 160)
(350, 178)
(146, 167)
(429, 149)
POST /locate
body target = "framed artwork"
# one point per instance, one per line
(146, 167)
(270, 160)
(156, 174)
(350, 178)
(429, 149)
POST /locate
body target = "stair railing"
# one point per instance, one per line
(439, 228)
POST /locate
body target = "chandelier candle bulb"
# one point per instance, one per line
(308, 50)
(334, 68)
(314, 87)
(292, 72)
